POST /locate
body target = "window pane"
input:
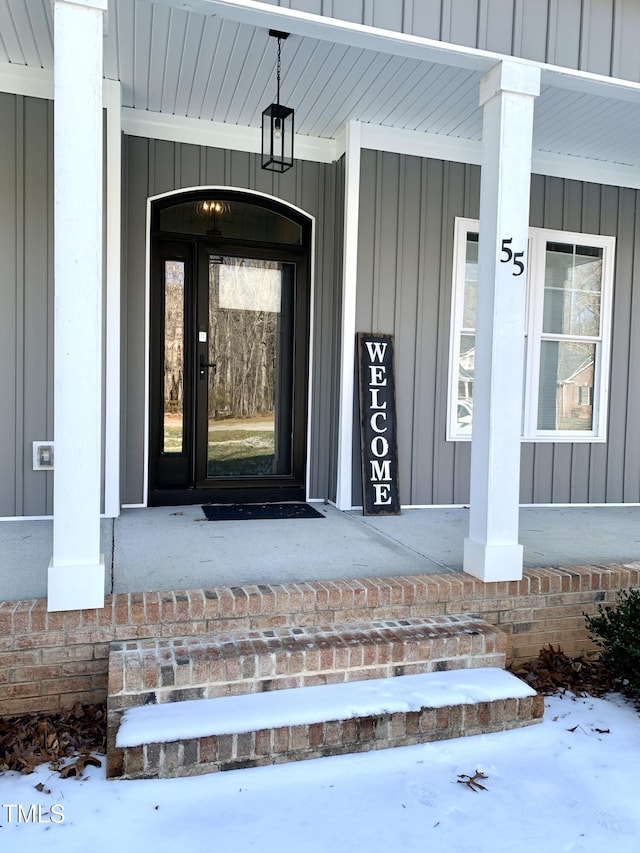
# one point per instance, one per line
(565, 399)
(572, 290)
(465, 382)
(470, 282)
(173, 419)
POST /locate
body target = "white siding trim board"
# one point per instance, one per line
(344, 495)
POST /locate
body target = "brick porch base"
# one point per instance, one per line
(48, 661)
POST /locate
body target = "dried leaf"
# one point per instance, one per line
(78, 767)
(33, 739)
(472, 781)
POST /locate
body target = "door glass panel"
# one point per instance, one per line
(250, 367)
(173, 399)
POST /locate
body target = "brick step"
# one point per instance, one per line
(251, 730)
(178, 669)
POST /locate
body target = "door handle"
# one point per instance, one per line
(206, 364)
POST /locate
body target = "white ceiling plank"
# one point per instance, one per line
(202, 74)
(327, 88)
(437, 76)
(458, 78)
(4, 56)
(143, 13)
(368, 67)
(10, 39)
(125, 34)
(24, 30)
(581, 123)
(175, 48)
(598, 141)
(406, 86)
(42, 27)
(458, 109)
(335, 114)
(255, 66)
(378, 86)
(110, 45)
(233, 72)
(189, 60)
(331, 97)
(158, 51)
(220, 64)
(462, 117)
(308, 73)
(550, 108)
(261, 92)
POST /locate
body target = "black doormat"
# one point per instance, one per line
(238, 512)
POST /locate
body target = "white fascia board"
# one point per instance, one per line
(414, 143)
(458, 150)
(585, 169)
(38, 83)
(26, 81)
(196, 131)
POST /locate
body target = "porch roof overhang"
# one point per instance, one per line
(203, 70)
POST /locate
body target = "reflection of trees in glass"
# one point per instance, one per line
(173, 335)
(243, 343)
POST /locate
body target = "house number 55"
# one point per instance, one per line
(511, 256)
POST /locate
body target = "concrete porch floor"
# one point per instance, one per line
(176, 548)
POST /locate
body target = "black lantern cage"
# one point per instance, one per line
(277, 126)
(277, 138)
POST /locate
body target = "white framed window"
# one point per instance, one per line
(567, 335)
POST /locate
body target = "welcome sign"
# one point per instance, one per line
(378, 431)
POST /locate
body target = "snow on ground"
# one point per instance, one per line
(569, 784)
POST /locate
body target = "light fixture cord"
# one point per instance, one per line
(278, 74)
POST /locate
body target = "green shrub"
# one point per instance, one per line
(617, 631)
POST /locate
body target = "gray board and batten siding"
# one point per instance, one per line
(26, 294)
(153, 167)
(408, 206)
(600, 36)
(27, 302)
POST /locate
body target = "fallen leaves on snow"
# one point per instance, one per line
(472, 781)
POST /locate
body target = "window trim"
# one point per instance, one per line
(538, 240)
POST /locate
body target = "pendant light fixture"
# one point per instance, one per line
(277, 126)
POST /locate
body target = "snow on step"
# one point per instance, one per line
(255, 711)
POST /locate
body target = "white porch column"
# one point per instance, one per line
(353, 134)
(492, 552)
(76, 572)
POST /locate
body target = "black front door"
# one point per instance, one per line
(229, 361)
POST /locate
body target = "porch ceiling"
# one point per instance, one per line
(220, 67)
